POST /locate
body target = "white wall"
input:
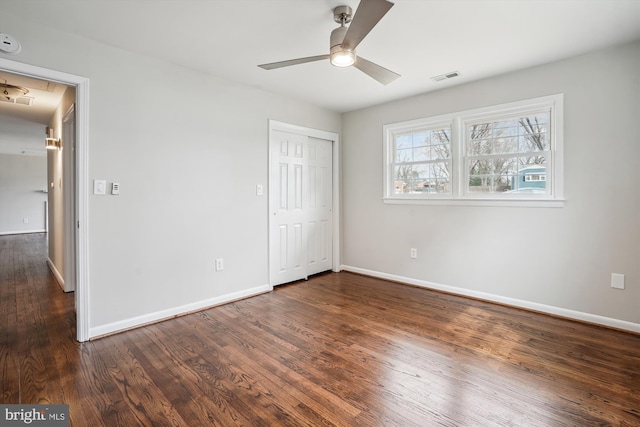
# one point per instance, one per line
(577, 247)
(188, 150)
(22, 181)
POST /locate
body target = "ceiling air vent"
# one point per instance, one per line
(445, 76)
(23, 100)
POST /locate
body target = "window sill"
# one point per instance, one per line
(521, 202)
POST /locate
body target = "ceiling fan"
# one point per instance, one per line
(344, 41)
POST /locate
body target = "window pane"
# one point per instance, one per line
(422, 178)
(422, 146)
(442, 136)
(438, 178)
(421, 154)
(402, 141)
(403, 155)
(479, 139)
(440, 152)
(492, 175)
(420, 139)
(534, 132)
(534, 142)
(523, 134)
(508, 175)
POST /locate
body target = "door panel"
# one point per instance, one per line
(319, 209)
(300, 241)
(287, 248)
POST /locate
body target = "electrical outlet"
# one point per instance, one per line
(219, 264)
(25, 220)
(414, 253)
(617, 281)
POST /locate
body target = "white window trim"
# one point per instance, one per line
(457, 121)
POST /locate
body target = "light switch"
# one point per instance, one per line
(259, 190)
(115, 188)
(99, 187)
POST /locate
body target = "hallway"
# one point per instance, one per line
(36, 317)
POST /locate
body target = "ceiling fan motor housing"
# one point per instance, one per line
(338, 55)
(337, 36)
(342, 14)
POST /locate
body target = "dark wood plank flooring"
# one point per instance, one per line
(339, 349)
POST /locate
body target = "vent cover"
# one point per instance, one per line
(445, 76)
(23, 100)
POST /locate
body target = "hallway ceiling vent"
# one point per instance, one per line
(446, 76)
(23, 100)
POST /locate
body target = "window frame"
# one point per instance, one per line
(408, 128)
(459, 177)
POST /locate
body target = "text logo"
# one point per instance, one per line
(34, 415)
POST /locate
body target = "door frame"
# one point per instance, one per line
(69, 182)
(81, 85)
(275, 125)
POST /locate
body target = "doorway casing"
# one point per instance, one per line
(81, 236)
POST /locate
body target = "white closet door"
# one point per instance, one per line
(318, 209)
(300, 204)
(288, 249)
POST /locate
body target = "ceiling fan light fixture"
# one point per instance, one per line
(342, 58)
(344, 41)
(11, 92)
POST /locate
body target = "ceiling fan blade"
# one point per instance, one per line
(369, 13)
(375, 71)
(291, 62)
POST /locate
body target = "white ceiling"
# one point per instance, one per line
(418, 39)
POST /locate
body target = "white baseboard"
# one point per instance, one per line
(56, 273)
(7, 233)
(534, 306)
(170, 313)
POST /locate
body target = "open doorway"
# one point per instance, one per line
(67, 176)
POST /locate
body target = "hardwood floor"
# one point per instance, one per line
(339, 349)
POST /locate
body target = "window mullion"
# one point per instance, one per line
(456, 158)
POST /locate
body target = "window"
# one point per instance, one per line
(422, 161)
(507, 154)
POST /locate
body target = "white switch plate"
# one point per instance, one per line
(99, 187)
(115, 188)
(259, 190)
(617, 281)
(219, 264)
(413, 253)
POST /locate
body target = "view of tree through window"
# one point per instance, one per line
(502, 156)
(422, 162)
